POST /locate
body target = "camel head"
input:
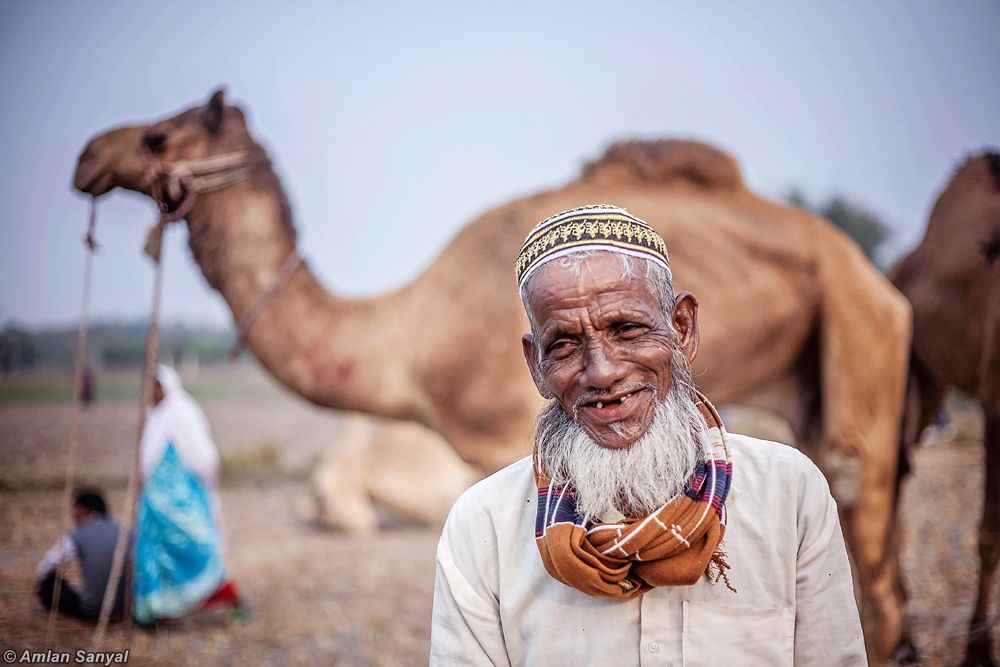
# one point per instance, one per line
(970, 207)
(122, 157)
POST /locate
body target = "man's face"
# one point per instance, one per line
(605, 346)
(80, 512)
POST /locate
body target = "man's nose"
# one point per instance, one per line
(602, 368)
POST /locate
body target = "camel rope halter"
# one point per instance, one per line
(183, 181)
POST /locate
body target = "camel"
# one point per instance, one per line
(353, 491)
(952, 280)
(794, 318)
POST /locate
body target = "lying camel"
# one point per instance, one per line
(353, 490)
(953, 281)
(794, 317)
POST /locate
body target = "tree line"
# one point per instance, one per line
(110, 344)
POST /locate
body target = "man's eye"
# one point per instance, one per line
(629, 330)
(561, 349)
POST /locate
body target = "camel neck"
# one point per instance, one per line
(333, 351)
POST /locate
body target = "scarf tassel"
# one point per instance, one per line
(717, 567)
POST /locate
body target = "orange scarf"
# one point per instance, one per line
(673, 546)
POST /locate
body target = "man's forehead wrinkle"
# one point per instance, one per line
(594, 315)
(565, 319)
(604, 313)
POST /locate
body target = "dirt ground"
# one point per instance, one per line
(324, 598)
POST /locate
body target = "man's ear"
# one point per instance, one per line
(685, 321)
(531, 356)
(215, 111)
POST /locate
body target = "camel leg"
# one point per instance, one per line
(877, 561)
(865, 497)
(864, 346)
(341, 499)
(861, 465)
(878, 579)
(796, 398)
(979, 650)
(415, 474)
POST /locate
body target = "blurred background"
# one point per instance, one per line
(392, 125)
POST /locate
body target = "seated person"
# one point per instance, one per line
(92, 543)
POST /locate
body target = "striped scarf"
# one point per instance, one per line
(673, 546)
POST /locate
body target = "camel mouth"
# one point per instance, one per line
(91, 179)
(109, 160)
(168, 199)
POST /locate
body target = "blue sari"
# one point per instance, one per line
(178, 560)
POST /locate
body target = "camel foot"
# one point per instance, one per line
(905, 653)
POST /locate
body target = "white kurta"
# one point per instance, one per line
(494, 603)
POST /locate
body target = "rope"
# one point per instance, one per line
(149, 371)
(81, 351)
(183, 180)
(250, 316)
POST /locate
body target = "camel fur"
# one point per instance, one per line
(952, 279)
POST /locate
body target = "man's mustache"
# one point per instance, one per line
(617, 390)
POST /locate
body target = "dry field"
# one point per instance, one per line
(323, 598)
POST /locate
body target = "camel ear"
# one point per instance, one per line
(215, 110)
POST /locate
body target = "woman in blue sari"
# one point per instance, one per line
(178, 560)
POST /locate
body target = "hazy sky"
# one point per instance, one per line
(393, 124)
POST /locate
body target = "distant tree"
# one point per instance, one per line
(855, 220)
(862, 225)
(16, 349)
(797, 197)
(123, 353)
(110, 343)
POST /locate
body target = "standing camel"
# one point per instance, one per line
(952, 279)
(794, 317)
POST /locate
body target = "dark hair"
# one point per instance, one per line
(91, 499)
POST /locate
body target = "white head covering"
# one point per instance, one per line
(178, 420)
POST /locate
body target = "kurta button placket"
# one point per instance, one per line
(654, 627)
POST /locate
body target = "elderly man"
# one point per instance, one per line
(658, 538)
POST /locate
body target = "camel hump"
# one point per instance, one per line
(668, 160)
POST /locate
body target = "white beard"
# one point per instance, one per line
(634, 480)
